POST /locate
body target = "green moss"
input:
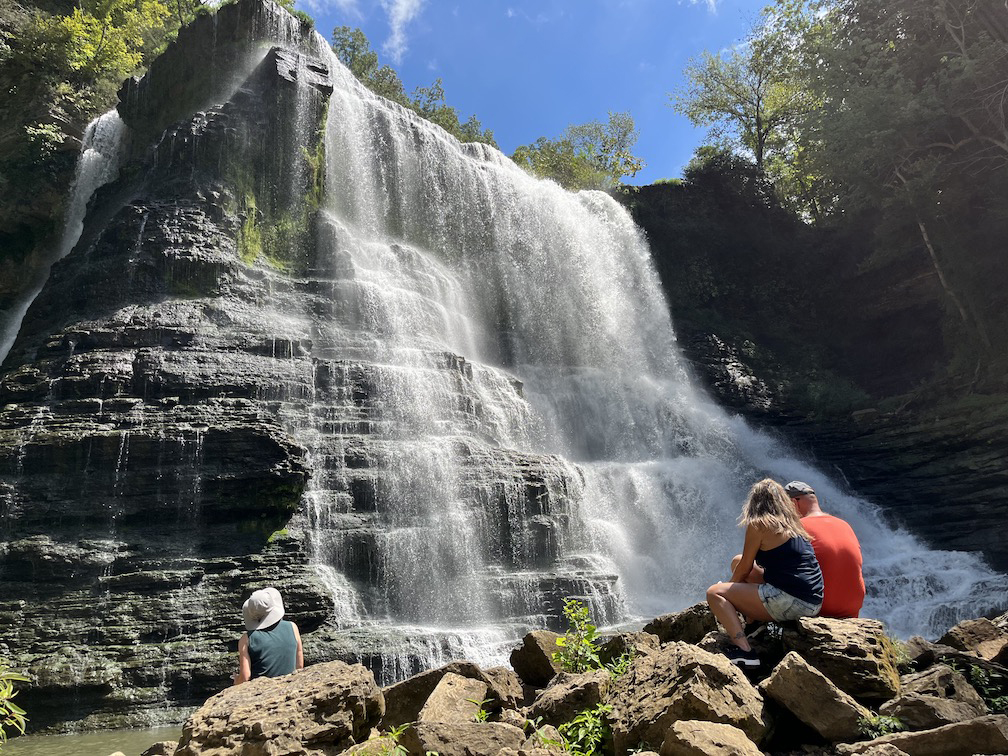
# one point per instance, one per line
(250, 244)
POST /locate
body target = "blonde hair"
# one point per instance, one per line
(769, 508)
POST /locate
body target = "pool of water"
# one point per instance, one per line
(129, 742)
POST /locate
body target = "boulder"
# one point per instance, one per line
(980, 636)
(689, 625)
(694, 738)
(925, 654)
(627, 643)
(569, 694)
(987, 735)
(455, 699)
(935, 697)
(533, 659)
(546, 738)
(681, 682)
(813, 699)
(164, 748)
(855, 654)
(330, 705)
(405, 699)
(373, 746)
(461, 739)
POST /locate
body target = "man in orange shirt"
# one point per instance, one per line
(838, 552)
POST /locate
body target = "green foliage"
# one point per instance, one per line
(588, 731)
(901, 656)
(12, 716)
(620, 665)
(877, 725)
(992, 686)
(578, 650)
(482, 713)
(591, 155)
(396, 749)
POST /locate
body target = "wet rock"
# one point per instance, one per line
(938, 696)
(325, 706)
(533, 659)
(689, 625)
(855, 654)
(813, 699)
(983, 735)
(454, 699)
(458, 739)
(568, 695)
(694, 738)
(681, 682)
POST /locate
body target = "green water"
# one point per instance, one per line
(129, 742)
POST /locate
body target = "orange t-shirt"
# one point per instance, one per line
(839, 554)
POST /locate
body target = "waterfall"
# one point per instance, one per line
(501, 416)
(97, 165)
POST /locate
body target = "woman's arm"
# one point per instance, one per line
(299, 662)
(244, 662)
(753, 539)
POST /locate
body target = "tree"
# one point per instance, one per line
(748, 92)
(591, 155)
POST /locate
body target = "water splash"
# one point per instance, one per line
(502, 417)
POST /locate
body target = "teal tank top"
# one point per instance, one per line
(273, 650)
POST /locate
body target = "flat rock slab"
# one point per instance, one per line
(693, 738)
(935, 697)
(689, 625)
(986, 735)
(323, 707)
(681, 682)
(812, 698)
(455, 699)
(455, 739)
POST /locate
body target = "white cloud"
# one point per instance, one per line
(400, 13)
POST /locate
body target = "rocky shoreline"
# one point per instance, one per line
(826, 686)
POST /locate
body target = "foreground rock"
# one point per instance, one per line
(935, 697)
(707, 739)
(461, 739)
(568, 695)
(689, 625)
(986, 735)
(326, 707)
(855, 654)
(682, 682)
(813, 699)
(533, 659)
(455, 699)
(404, 700)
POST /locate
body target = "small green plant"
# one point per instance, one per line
(878, 725)
(619, 666)
(482, 712)
(12, 716)
(578, 650)
(394, 749)
(901, 656)
(992, 686)
(585, 734)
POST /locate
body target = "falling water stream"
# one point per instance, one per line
(502, 417)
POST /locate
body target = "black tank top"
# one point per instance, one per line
(794, 569)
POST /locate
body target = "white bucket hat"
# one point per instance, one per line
(262, 609)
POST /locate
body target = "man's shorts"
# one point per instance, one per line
(783, 606)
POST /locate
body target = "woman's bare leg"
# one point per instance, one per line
(726, 600)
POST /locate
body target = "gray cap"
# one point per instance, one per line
(263, 608)
(796, 488)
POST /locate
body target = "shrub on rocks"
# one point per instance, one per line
(681, 682)
(325, 706)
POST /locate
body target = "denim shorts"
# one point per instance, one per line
(783, 606)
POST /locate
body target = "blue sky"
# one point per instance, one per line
(529, 68)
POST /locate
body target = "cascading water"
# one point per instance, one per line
(501, 417)
(97, 164)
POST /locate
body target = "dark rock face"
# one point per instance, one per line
(850, 358)
(146, 474)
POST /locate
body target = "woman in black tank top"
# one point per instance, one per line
(791, 586)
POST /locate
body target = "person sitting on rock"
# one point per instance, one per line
(272, 645)
(838, 552)
(792, 586)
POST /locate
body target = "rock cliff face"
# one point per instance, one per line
(146, 476)
(853, 361)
